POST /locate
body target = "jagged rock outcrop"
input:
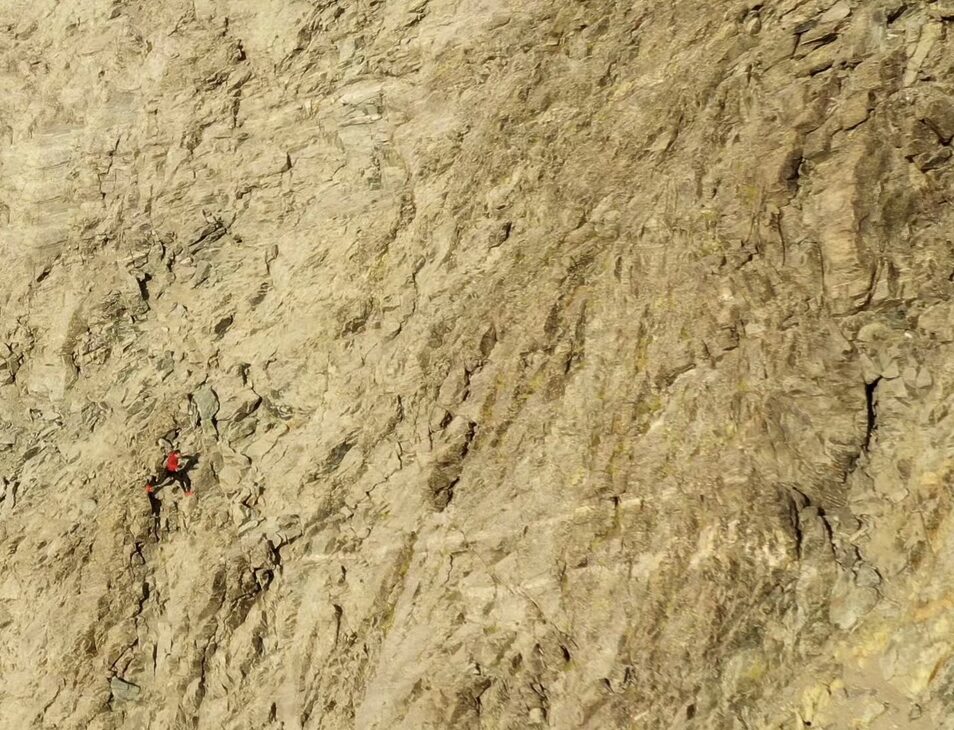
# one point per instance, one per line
(548, 364)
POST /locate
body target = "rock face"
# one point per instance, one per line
(548, 364)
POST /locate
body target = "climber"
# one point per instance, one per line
(175, 470)
(154, 505)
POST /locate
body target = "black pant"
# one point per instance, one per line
(179, 477)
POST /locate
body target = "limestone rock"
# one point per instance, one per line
(237, 405)
(123, 690)
(548, 364)
(206, 403)
(851, 601)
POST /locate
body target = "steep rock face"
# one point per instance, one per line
(548, 364)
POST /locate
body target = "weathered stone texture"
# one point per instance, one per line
(549, 364)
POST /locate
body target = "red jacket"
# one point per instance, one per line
(172, 461)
